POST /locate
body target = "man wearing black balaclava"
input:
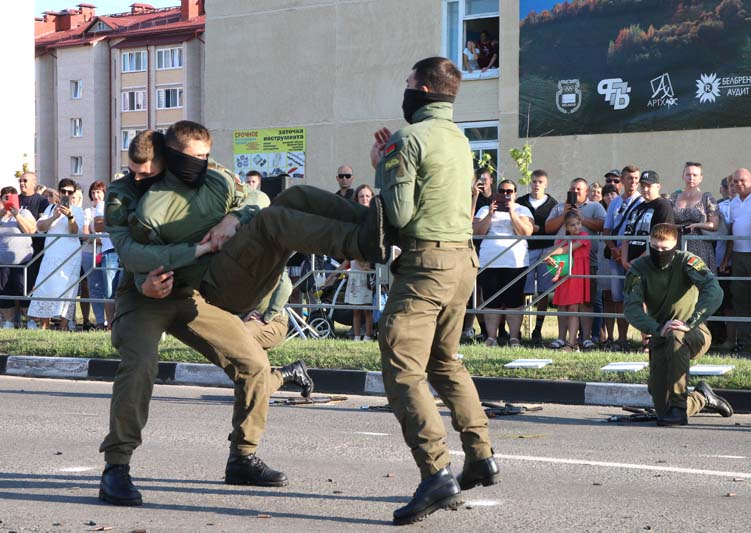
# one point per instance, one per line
(668, 294)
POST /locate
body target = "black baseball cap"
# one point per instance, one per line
(649, 177)
(614, 172)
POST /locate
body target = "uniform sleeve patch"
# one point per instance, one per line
(390, 149)
(391, 163)
(698, 264)
(632, 281)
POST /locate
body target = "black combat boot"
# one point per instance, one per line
(439, 491)
(116, 486)
(250, 470)
(484, 472)
(373, 240)
(297, 373)
(676, 416)
(715, 403)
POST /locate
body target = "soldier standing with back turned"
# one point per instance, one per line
(425, 175)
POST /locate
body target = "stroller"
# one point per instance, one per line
(321, 319)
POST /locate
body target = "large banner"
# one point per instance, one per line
(612, 66)
(271, 151)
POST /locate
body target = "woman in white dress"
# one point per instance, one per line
(61, 265)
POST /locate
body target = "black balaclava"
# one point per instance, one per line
(144, 184)
(662, 258)
(188, 169)
(414, 99)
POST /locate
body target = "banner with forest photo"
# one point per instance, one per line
(618, 66)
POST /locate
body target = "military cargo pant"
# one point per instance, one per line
(301, 219)
(669, 361)
(419, 333)
(741, 294)
(236, 347)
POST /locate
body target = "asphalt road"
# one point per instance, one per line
(564, 468)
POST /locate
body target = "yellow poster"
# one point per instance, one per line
(271, 151)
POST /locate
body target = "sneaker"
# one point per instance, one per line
(513, 342)
(356, 338)
(491, 341)
(31, 324)
(367, 338)
(9, 325)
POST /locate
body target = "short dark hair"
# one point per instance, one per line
(539, 173)
(630, 168)
(8, 190)
(253, 173)
(692, 164)
(146, 146)
(438, 74)
(182, 132)
(96, 186)
(571, 215)
(608, 188)
(507, 181)
(664, 231)
(66, 182)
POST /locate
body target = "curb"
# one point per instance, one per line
(360, 382)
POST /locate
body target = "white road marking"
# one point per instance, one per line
(629, 466)
(482, 503)
(77, 469)
(723, 456)
(371, 433)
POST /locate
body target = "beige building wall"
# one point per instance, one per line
(339, 71)
(46, 119)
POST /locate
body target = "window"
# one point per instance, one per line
(76, 165)
(483, 139)
(76, 88)
(100, 26)
(133, 61)
(128, 136)
(76, 127)
(169, 58)
(162, 129)
(475, 21)
(169, 98)
(134, 100)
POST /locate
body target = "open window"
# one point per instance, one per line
(483, 139)
(471, 36)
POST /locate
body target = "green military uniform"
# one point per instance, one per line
(223, 338)
(685, 290)
(302, 218)
(425, 179)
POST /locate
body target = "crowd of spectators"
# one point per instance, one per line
(66, 259)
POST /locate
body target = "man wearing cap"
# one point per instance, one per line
(614, 177)
(653, 210)
(615, 224)
(669, 294)
(345, 178)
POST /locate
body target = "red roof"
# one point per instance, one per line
(157, 22)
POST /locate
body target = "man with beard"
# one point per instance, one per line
(143, 313)
(668, 295)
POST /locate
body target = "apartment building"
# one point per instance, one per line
(100, 79)
(337, 68)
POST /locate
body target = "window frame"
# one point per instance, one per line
(144, 98)
(163, 90)
(483, 145)
(163, 52)
(76, 89)
(76, 165)
(124, 63)
(129, 134)
(76, 126)
(461, 4)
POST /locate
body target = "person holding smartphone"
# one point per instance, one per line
(14, 250)
(592, 220)
(61, 266)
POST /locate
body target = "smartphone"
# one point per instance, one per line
(65, 200)
(571, 198)
(10, 201)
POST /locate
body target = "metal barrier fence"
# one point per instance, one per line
(381, 277)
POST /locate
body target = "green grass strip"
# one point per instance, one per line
(345, 354)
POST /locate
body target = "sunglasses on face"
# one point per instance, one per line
(344, 176)
(66, 191)
(507, 191)
(613, 180)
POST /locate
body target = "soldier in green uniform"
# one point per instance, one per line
(237, 347)
(251, 246)
(425, 175)
(679, 293)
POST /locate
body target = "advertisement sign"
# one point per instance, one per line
(605, 66)
(270, 151)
